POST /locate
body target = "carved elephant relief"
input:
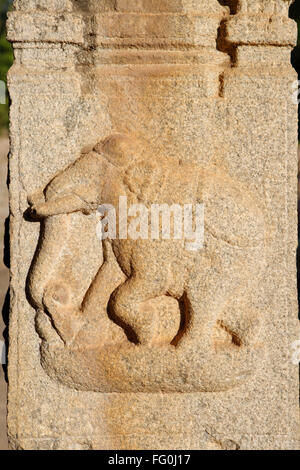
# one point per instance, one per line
(156, 298)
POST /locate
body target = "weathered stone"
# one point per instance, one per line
(140, 342)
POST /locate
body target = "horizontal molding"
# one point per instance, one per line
(155, 29)
(169, 6)
(140, 6)
(44, 5)
(261, 30)
(268, 56)
(45, 27)
(145, 31)
(115, 29)
(57, 56)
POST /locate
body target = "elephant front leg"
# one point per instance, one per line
(127, 307)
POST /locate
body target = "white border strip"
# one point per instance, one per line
(2, 352)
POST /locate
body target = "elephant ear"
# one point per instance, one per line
(121, 150)
(232, 213)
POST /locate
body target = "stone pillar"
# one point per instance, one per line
(134, 342)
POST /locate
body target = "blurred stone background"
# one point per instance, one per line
(6, 58)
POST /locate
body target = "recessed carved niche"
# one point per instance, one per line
(153, 315)
(147, 314)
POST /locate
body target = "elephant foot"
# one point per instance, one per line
(67, 319)
(165, 324)
(155, 321)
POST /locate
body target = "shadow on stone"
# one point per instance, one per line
(5, 308)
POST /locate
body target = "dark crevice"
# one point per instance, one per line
(223, 45)
(236, 340)
(185, 319)
(221, 84)
(5, 316)
(232, 4)
(128, 330)
(6, 305)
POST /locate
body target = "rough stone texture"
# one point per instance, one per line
(143, 344)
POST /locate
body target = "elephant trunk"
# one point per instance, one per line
(54, 232)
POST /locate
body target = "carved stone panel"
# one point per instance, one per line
(153, 225)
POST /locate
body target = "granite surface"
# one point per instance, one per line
(136, 342)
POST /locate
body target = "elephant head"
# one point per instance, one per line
(86, 183)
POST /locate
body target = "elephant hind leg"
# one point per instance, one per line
(127, 310)
(202, 307)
